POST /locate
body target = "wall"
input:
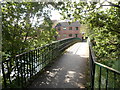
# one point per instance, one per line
(66, 32)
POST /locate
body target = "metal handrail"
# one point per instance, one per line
(18, 71)
(110, 73)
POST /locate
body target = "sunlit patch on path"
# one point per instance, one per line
(67, 72)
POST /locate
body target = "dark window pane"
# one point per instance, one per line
(76, 28)
(76, 35)
(70, 28)
(70, 35)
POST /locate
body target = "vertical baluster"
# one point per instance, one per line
(3, 72)
(114, 80)
(93, 74)
(39, 59)
(32, 56)
(58, 49)
(106, 79)
(42, 58)
(55, 53)
(49, 54)
(55, 50)
(34, 62)
(17, 65)
(33, 52)
(52, 51)
(30, 64)
(24, 61)
(9, 69)
(100, 79)
(45, 57)
(27, 63)
(92, 69)
(21, 71)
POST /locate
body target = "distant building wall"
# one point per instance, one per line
(66, 30)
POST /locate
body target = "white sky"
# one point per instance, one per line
(55, 15)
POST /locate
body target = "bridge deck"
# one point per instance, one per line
(69, 71)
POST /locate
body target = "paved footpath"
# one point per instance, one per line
(69, 71)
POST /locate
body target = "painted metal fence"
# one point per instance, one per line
(18, 71)
(102, 76)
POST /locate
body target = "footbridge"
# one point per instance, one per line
(67, 63)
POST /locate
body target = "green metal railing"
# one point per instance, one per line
(18, 71)
(102, 76)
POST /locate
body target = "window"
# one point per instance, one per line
(76, 35)
(70, 28)
(64, 28)
(64, 35)
(58, 28)
(76, 28)
(70, 35)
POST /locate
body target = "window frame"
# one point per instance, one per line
(76, 35)
(64, 35)
(70, 28)
(76, 28)
(64, 28)
(70, 35)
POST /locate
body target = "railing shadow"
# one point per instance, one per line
(20, 70)
(66, 72)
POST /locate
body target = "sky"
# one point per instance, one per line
(55, 15)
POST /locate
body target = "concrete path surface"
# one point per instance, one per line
(69, 71)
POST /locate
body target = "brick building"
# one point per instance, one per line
(66, 30)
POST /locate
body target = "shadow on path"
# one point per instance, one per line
(69, 71)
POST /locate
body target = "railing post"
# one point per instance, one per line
(27, 63)
(106, 79)
(5, 84)
(18, 71)
(92, 66)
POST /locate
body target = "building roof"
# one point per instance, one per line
(66, 24)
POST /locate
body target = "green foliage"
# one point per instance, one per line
(104, 28)
(104, 31)
(20, 31)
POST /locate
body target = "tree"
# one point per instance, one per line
(104, 28)
(20, 30)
